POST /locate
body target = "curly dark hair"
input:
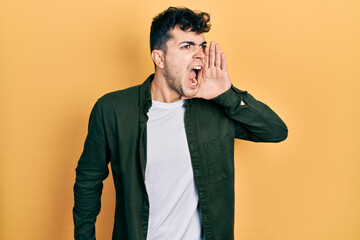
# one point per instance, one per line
(185, 18)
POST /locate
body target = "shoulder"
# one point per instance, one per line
(130, 93)
(118, 99)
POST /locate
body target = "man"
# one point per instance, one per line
(170, 141)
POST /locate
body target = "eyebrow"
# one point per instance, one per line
(192, 43)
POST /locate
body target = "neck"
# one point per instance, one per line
(160, 90)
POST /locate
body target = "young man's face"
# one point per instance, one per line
(183, 61)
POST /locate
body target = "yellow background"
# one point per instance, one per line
(301, 57)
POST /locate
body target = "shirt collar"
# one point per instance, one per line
(145, 93)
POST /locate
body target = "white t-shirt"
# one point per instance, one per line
(174, 211)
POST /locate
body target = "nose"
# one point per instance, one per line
(199, 53)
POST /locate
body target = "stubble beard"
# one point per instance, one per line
(175, 84)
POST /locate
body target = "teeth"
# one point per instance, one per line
(197, 68)
(194, 82)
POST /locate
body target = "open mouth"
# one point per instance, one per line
(194, 76)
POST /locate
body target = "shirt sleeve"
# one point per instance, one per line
(91, 170)
(255, 121)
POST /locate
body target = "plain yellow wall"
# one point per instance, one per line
(301, 57)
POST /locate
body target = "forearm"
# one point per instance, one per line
(255, 121)
(87, 200)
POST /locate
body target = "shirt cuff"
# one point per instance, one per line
(231, 97)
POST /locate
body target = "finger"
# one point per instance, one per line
(212, 55)
(223, 62)
(217, 56)
(206, 63)
(201, 76)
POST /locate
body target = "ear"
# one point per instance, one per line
(158, 58)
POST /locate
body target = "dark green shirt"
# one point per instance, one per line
(117, 135)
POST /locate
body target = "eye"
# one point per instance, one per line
(186, 46)
(203, 46)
